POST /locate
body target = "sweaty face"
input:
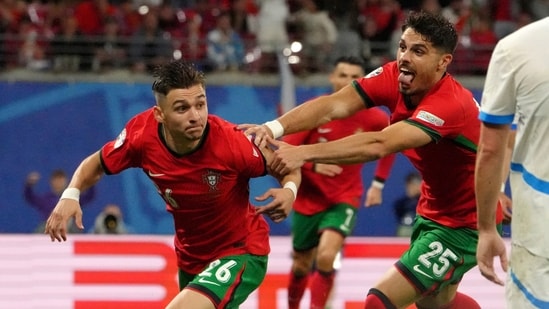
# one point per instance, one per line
(344, 74)
(421, 65)
(184, 114)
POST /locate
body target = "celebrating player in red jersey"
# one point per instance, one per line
(434, 122)
(201, 166)
(326, 206)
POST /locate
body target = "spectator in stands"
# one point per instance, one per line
(242, 13)
(272, 35)
(483, 40)
(456, 12)
(45, 202)
(56, 11)
(348, 43)
(504, 12)
(67, 48)
(225, 49)
(171, 20)
(29, 45)
(110, 221)
(378, 20)
(128, 17)
(90, 15)
(193, 44)
(208, 10)
(110, 52)
(11, 13)
(150, 46)
(318, 35)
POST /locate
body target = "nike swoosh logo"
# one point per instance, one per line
(416, 268)
(155, 175)
(203, 280)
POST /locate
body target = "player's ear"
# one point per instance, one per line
(158, 114)
(444, 61)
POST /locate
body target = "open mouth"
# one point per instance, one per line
(406, 76)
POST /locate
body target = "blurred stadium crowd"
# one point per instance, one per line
(238, 35)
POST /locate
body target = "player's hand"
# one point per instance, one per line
(259, 132)
(56, 226)
(329, 170)
(507, 207)
(279, 208)
(374, 197)
(287, 157)
(491, 245)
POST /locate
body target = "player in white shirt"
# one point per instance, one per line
(517, 83)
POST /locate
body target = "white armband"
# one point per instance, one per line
(276, 127)
(292, 186)
(71, 194)
(378, 184)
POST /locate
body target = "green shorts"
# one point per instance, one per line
(228, 281)
(438, 255)
(306, 229)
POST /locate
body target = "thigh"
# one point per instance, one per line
(527, 280)
(305, 231)
(340, 218)
(438, 256)
(228, 281)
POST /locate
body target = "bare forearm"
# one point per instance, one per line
(88, 173)
(358, 148)
(321, 110)
(488, 175)
(294, 176)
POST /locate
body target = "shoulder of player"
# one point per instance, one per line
(450, 90)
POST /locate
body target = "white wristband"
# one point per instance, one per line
(292, 186)
(378, 184)
(71, 194)
(502, 189)
(276, 127)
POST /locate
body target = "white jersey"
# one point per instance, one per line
(517, 84)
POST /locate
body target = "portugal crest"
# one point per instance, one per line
(212, 179)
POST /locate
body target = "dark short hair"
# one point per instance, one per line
(351, 60)
(176, 74)
(58, 173)
(435, 28)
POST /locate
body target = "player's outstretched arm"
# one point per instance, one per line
(282, 199)
(356, 148)
(86, 175)
(308, 115)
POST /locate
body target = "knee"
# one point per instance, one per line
(325, 260)
(301, 265)
(377, 300)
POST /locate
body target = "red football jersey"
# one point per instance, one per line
(206, 191)
(319, 192)
(449, 114)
